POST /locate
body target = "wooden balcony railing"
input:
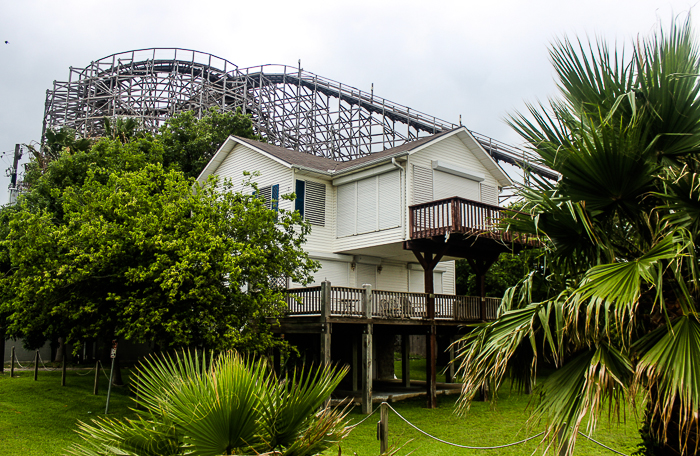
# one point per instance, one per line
(367, 303)
(460, 215)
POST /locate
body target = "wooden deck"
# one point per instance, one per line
(462, 216)
(365, 303)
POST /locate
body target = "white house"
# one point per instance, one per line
(359, 209)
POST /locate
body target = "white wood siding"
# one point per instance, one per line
(448, 277)
(451, 150)
(242, 158)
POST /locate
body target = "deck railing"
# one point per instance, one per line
(460, 215)
(353, 302)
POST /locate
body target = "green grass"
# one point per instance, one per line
(38, 418)
(483, 425)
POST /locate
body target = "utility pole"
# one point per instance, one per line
(14, 191)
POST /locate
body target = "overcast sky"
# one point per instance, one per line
(480, 59)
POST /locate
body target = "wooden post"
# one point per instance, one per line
(36, 365)
(63, 365)
(450, 371)
(406, 360)
(355, 372)
(2, 350)
(96, 388)
(367, 300)
(431, 341)
(367, 370)
(383, 428)
(325, 325)
(481, 278)
(12, 362)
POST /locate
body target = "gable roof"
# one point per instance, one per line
(334, 168)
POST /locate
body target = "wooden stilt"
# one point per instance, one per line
(367, 370)
(406, 360)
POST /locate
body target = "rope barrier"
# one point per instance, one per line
(42, 363)
(83, 375)
(17, 361)
(458, 445)
(604, 446)
(362, 420)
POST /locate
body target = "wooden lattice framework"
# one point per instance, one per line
(291, 107)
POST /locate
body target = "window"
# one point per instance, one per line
(271, 196)
(311, 201)
(371, 204)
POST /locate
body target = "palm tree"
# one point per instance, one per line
(620, 231)
(221, 406)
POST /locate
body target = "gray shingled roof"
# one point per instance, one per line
(327, 165)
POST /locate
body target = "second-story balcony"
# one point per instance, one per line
(462, 216)
(360, 303)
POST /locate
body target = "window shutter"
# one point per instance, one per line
(489, 194)
(367, 205)
(299, 192)
(422, 184)
(346, 209)
(389, 200)
(316, 203)
(448, 185)
(367, 273)
(265, 194)
(275, 198)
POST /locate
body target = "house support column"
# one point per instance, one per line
(450, 371)
(355, 371)
(367, 370)
(480, 268)
(406, 360)
(428, 261)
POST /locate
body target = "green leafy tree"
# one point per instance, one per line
(146, 256)
(620, 231)
(224, 406)
(190, 143)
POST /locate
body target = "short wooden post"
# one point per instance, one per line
(2, 350)
(36, 365)
(367, 300)
(406, 360)
(12, 362)
(63, 365)
(367, 370)
(383, 428)
(96, 388)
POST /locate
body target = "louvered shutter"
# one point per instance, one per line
(422, 184)
(366, 273)
(367, 205)
(489, 194)
(266, 195)
(315, 203)
(448, 185)
(275, 197)
(389, 200)
(346, 209)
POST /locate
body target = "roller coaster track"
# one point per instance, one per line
(291, 107)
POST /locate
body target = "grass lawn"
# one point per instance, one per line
(39, 419)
